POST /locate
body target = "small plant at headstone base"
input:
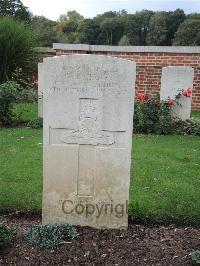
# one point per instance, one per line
(6, 235)
(195, 255)
(8, 92)
(50, 235)
(36, 123)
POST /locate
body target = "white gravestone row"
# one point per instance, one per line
(174, 79)
(88, 104)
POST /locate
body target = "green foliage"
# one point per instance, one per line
(18, 90)
(163, 26)
(158, 29)
(28, 86)
(89, 31)
(124, 41)
(195, 257)
(112, 29)
(14, 8)
(120, 28)
(8, 92)
(50, 236)
(174, 20)
(36, 123)
(6, 235)
(17, 43)
(72, 16)
(137, 27)
(153, 116)
(188, 33)
(44, 30)
(188, 127)
(66, 28)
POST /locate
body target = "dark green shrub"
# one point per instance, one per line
(50, 236)
(8, 92)
(36, 123)
(17, 44)
(6, 235)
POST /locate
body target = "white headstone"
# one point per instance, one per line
(88, 113)
(174, 79)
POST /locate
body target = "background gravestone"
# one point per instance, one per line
(175, 78)
(88, 104)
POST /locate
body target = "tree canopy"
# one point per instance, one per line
(145, 27)
(14, 8)
(120, 28)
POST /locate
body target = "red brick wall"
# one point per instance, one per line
(149, 68)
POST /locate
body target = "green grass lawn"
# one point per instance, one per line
(165, 178)
(21, 168)
(165, 174)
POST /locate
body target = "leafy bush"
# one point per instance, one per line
(8, 92)
(17, 44)
(196, 257)
(6, 235)
(50, 236)
(36, 123)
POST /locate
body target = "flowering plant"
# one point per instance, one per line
(169, 101)
(153, 115)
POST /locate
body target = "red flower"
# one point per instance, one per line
(188, 92)
(170, 102)
(142, 96)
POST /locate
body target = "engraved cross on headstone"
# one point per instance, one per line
(88, 135)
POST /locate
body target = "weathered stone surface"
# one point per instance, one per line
(88, 112)
(173, 80)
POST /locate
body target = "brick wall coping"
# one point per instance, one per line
(127, 49)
